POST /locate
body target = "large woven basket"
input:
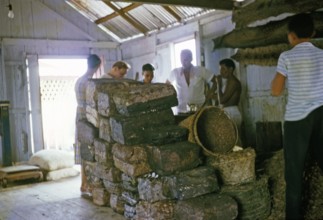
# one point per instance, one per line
(235, 168)
(212, 129)
(253, 198)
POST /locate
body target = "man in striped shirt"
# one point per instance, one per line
(303, 126)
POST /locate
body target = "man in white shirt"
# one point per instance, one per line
(189, 82)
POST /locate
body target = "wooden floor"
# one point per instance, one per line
(59, 200)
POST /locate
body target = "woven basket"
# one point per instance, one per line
(253, 198)
(235, 168)
(212, 129)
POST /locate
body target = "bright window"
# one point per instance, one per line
(178, 47)
(62, 67)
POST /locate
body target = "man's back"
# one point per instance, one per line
(80, 93)
(303, 66)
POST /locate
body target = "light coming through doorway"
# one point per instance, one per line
(57, 80)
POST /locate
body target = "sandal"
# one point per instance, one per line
(86, 195)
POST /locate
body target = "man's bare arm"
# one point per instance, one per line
(278, 84)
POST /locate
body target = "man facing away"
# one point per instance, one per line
(303, 126)
(93, 63)
(189, 82)
(118, 71)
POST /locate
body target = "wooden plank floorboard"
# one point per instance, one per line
(51, 200)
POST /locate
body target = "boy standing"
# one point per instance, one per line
(148, 73)
(303, 126)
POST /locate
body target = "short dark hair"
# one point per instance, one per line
(148, 67)
(302, 25)
(228, 63)
(93, 61)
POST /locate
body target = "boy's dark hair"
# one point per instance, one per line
(302, 25)
(228, 63)
(93, 61)
(148, 67)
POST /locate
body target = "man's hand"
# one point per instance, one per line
(211, 95)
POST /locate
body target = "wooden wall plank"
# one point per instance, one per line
(43, 20)
(76, 21)
(27, 19)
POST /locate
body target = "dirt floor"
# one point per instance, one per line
(30, 200)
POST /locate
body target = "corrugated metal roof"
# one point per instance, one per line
(91, 9)
(125, 21)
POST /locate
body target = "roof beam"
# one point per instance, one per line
(115, 14)
(213, 4)
(128, 18)
(172, 12)
(60, 43)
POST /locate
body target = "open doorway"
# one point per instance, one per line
(58, 102)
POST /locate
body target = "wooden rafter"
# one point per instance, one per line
(128, 18)
(172, 12)
(213, 4)
(115, 14)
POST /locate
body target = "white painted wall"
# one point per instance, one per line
(41, 28)
(157, 48)
(258, 104)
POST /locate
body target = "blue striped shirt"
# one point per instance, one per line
(303, 67)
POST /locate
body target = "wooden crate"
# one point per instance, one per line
(20, 172)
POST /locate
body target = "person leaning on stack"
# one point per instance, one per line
(93, 63)
(118, 71)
